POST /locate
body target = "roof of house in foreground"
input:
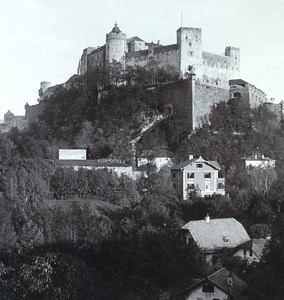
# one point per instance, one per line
(220, 279)
(217, 233)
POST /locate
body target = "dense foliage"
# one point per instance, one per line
(69, 234)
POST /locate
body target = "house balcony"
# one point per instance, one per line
(221, 186)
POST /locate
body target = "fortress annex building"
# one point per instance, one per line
(210, 69)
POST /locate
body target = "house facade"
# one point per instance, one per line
(254, 252)
(200, 175)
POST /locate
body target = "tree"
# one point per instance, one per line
(262, 179)
(266, 278)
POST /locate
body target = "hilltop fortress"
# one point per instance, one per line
(214, 77)
(209, 68)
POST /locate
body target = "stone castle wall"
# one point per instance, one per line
(276, 108)
(178, 96)
(33, 111)
(191, 100)
(96, 58)
(204, 98)
(166, 58)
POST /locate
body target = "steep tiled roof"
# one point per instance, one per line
(184, 164)
(229, 283)
(220, 279)
(217, 233)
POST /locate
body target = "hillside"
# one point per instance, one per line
(105, 122)
(75, 229)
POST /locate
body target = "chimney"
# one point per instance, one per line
(207, 218)
(190, 156)
(262, 156)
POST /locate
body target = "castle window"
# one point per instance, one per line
(189, 44)
(237, 95)
(191, 53)
(196, 38)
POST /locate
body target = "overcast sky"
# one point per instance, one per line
(42, 40)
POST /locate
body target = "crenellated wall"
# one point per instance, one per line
(166, 58)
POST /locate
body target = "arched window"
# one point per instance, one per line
(237, 95)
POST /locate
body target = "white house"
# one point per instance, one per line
(259, 160)
(214, 236)
(200, 175)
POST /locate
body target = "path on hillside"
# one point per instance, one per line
(146, 128)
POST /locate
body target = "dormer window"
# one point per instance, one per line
(199, 166)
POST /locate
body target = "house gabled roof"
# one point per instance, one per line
(233, 287)
(220, 279)
(217, 234)
(184, 164)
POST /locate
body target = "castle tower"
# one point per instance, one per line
(8, 117)
(44, 85)
(115, 45)
(233, 54)
(190, 47)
